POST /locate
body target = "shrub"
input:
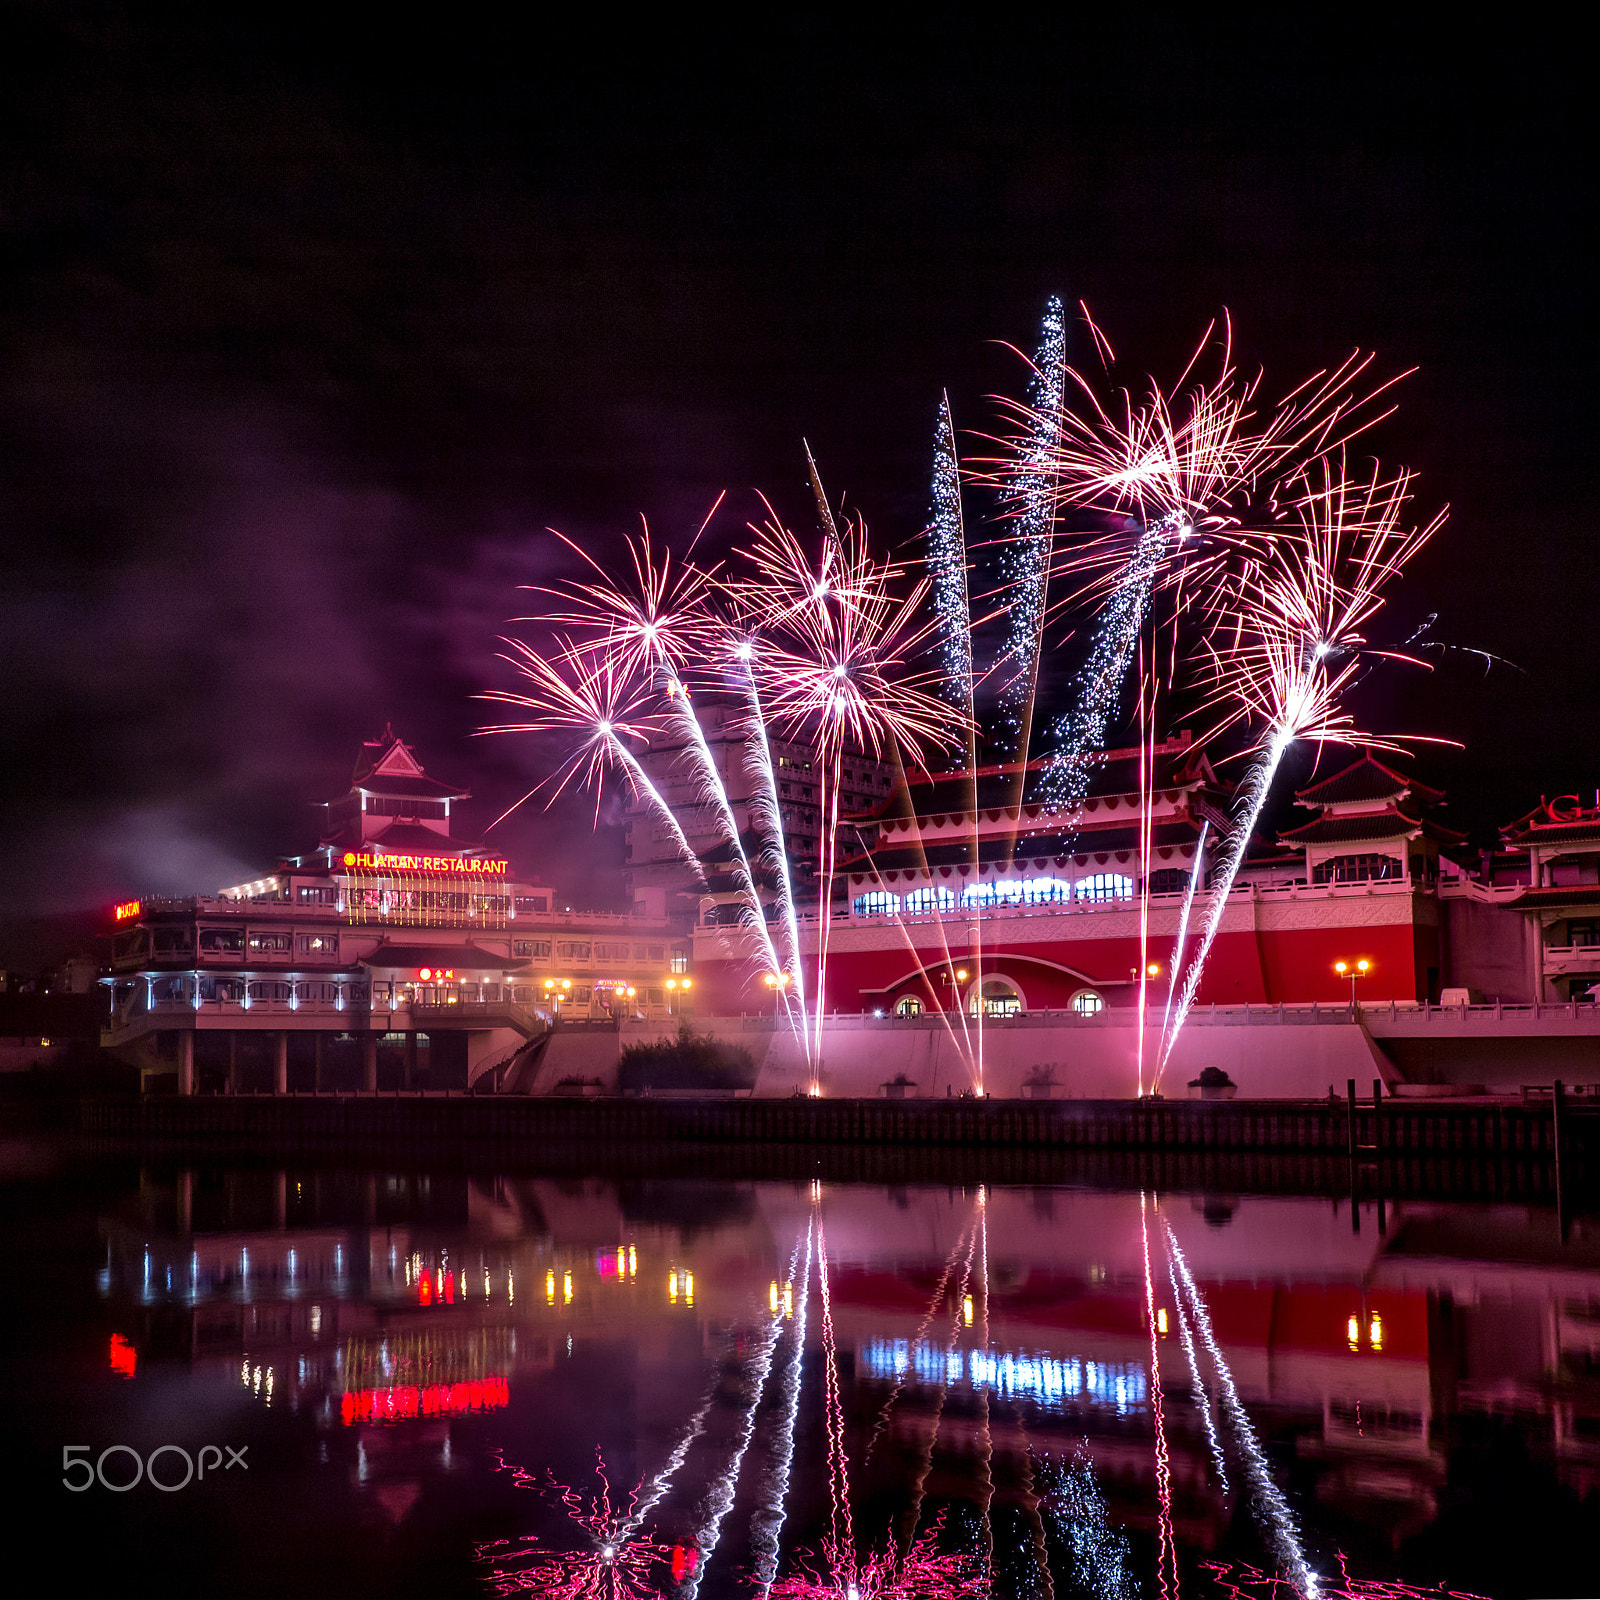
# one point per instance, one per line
(688, 1062)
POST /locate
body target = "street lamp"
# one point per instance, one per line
(778, 983)
(1354, 971)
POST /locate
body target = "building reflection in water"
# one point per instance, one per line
(826, 1386)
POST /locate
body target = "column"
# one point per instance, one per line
(280, 1065)
(186, 1061)
(369, 1062)
(411, 1059)
(186, 1202)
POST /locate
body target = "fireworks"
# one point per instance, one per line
(615, 1562)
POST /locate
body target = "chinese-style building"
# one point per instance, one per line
(395, 952)
(972, 888)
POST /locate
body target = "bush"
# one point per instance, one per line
(688, 1062)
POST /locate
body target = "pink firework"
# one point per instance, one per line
(921, 1573)
(615, 1561)
(1241, 1581)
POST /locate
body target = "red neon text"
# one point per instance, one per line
(128, 908)
(451, 866)
(436, 1400)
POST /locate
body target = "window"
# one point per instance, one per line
(1584, 932)
(310, 895)
(649, 952)
(529, 905)
(522, 993)
(581, 995)
(222, 941)
(126, 946)
(611, 952)
(908, 1006)
(272, 944)
(269, 989)
(319, 944)
(1001, 998)
(172, 942)
(1169, 880)
(1105, 886)
(1356, 869)
(680, 960)
(573, 949)
(876, 903)
(933, 899)
(1086, 1002)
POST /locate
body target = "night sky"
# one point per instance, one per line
(306, 336)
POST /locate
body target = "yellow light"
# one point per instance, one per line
(566, 983)
(622, 1262)
(788, 1301)
(961, 974)
(549, 983)
(772, 1296)
(672, 983)
(633, 1261)
(631, 990)
(1341, 967)
(688, 1288)
(966, 1311)
(1154, 969)
(566, 1289)
(1375, 1332)
(1352, 1331)
(1363, 965)
(1161, 1322)
(672, 1288)
(770, 979)
(685, 984)
(550, 1287)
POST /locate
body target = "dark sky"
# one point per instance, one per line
(306, 336)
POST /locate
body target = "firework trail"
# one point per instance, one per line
(1175, 966)
(1271, 1508)
(775, 852)
(1297, 645)
(952, 605)
(719, 1499)
(766, 1526)
(617, 1565)
(1169, 1546)
(1026, 556)
(1101, 1558)
(1202, 1396)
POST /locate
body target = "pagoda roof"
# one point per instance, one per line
(462, 957)
(1570, 897)
(1366, 779)
(407, 838)
(1393, 822)
(388, 766)
(1546, 824)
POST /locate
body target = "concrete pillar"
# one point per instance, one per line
(186, 1061)
(411, 1059)
(369, 1062)
(280, 1065)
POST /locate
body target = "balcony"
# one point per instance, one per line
(1573, 960)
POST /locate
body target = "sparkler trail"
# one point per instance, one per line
(1026, 557)
(766, 1525)
(1271, 1508)
(1241, 1581)
(1081, 1520)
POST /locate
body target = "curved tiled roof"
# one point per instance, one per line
(1366, 779)
(1574, 895)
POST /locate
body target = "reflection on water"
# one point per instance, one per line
(624, 1388)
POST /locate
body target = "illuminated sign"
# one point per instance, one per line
(128, 909)
(1046, 1380)
(434, 1400)
(124, 1358)
(436, 974)
(444, 866)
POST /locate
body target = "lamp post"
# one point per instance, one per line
(1354, 971)
(778, 983)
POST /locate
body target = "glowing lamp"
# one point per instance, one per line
(632, 991)
(685, 984)
(549, 983)
(961, 974)
(672, 983)
(566, 983)
(1153, 970)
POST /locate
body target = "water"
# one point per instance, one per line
(419, 1376)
